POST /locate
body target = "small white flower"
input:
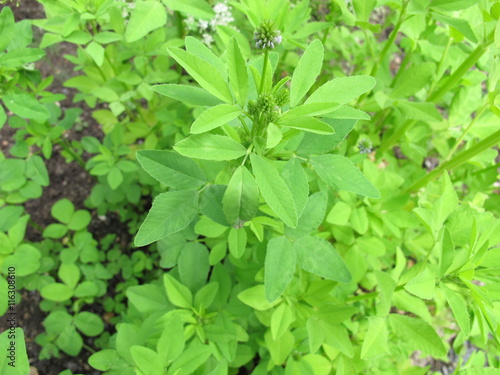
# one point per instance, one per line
(207, 39)
(202, 24)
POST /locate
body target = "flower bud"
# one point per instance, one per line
(267, 36)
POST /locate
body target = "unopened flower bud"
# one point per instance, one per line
(267, 36)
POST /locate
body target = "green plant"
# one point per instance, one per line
(321, 180)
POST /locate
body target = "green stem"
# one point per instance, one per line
(244, 125)
(392, 37)
(459, 73)
(388, 44)
(461, 158)
(264, 69)
(69, 149)
(462, 136)
(36, 226)
(89, 348)
(440, 65)
(435, 96)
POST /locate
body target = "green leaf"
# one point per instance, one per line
(204, 73)
(214, 117)
(255, 297)
(171, 212)
(318, 256)
(347, 113)
(418, 334)
(422, 285)
(451, 5)
(70, 341)
(375, 340)
(193, 265)
(190, 359)
(147, 298)
(237, 69)
(342, 90)
(171, 342)
(280, 321)
(195, 8)
(308, 68)
(26, 260)
(200, 49)
(274, 135)
(311, 109)
(37, 171)
(308, 124)
(89, 323)
(80, 220)
(69, 274)
(312, 216)
(13, 341)
(146, 17)
(115, 178)
(281, 348)
(170, 168)
(96, 51)
(56, 292)
(274, 190)
(25, 105)
(210, 147)
(104, 359)
(279, 267)
(87, 289)
(237, 241)
(55, 231)
(187, 94)
(206, 295)
(419, 111)
(339, 214)
(479, 371)
(146, 360)
(241, 199)
(295, 178)
(211, 204)
(177, 293)
(461, 25)
(62, 210)
(447, 252)
(413, 79)
(341, 174)
(458, 307)
(18, 57)
(7, 23)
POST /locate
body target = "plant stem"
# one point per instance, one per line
(462, 136)
(438, 94)
(461, 158)
(244, 125)
(392, 37)
(264, 69)
(69, 149)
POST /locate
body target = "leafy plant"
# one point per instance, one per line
(304, 187)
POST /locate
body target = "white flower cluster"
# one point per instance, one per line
(127, 8)
(223, 16)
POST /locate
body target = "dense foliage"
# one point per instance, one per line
(311, 186)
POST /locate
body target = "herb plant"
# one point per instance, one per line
(299, 187)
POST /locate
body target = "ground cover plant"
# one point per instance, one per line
(272, 187)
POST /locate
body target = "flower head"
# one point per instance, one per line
(267, 36)
(365, 146)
